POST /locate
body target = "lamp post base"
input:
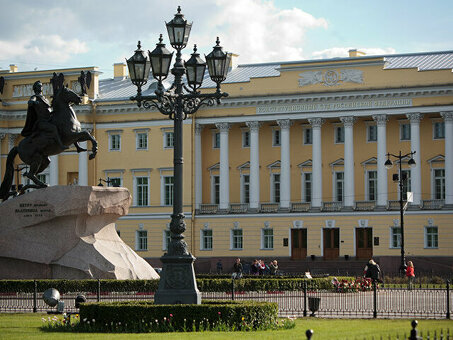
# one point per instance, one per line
(177, 283)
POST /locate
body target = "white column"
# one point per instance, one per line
(316, 199)
(254, 165)
(349, 197)
(53, 170)
(83, 165)
(382, 182)
(285, 163)
(224, 166)
(448, 119)
(198, 167)
(416, 175)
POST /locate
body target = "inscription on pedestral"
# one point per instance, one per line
(33, 210)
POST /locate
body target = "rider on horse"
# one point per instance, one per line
(38, 116)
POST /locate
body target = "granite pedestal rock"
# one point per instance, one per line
(67, 232)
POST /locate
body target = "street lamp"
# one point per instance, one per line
(401, 179)
(177, 283)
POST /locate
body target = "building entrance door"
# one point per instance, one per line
(331, 243)
(364, 243)
(298, 244)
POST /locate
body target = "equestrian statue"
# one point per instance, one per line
(49, 130)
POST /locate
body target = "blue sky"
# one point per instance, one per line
(61, 33)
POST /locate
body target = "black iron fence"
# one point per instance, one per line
(379, 302)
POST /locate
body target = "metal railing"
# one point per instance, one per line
(331, 206)
(432, 204)
(365, 205)
(378, 303)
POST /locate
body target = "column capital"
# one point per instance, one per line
(447, 116)
(348, 121)
(381, 120)
(223, 127)
(316, 122)
(415, 117)
(284, 123)
(2, 135)
(198, 128)
(254, 125)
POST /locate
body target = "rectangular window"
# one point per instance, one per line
(275, 188)
(339, 182)
(406, 183)
(236, 239)
(308, 136)
(431, 237)
(216, 140)
(215, 190)
(245, 189)
(339, 134)
(439, 130)
(168, 139)
(43, 178)
(168, 190)
(439, 184)
(276, 137)
(141, 189)
(372, 133)
(405, 131)
(114, 181)
(267, 238)
(372, 185)
(141, 140)
(307, 187)
(206, 239)
(246, 139)
(166, 239)
(115, 142)
(395, 237)
(141, 240)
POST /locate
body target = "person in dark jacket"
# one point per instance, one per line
(372, 271)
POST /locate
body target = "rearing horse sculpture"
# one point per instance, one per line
(35, 149)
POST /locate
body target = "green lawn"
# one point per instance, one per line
(26, 326)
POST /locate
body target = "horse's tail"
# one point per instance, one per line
(9, 174)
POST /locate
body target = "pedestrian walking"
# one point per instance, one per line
(410, 274)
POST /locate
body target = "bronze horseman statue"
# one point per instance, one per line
(49, 130)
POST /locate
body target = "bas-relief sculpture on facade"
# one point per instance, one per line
(68, 232)
(331, 77)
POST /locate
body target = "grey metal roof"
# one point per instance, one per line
(421, 61)
(121, 89)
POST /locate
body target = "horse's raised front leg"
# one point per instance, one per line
(85, 136)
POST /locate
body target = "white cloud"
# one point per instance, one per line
(260, 32)
(343, 52)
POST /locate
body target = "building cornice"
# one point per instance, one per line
(340, 95)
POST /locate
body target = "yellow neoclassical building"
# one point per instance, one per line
(291, 166)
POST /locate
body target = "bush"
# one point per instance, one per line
(204, 285)
(133, 316)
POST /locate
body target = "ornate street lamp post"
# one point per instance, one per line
(177, 283)
(401, 179)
